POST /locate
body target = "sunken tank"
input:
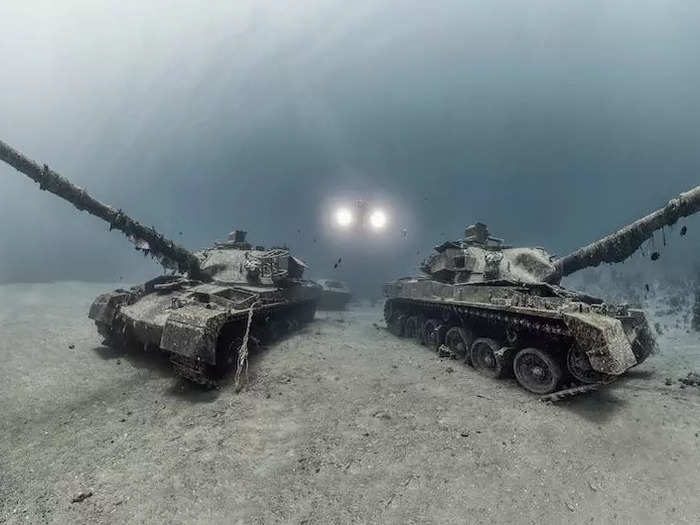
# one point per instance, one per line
(210, 307)
(502, 310)
(335, 295)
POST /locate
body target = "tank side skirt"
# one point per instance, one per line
(520, 319)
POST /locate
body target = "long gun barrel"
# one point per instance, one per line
(618, 246)
(166, 250)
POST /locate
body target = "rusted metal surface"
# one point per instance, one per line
(335, 294)
(220, 295)
(169, 253)
(618, 246)
(510, 295)
(194, 321)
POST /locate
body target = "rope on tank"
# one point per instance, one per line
(242, 360)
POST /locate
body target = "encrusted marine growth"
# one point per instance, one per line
(216, 303)
(500, 308)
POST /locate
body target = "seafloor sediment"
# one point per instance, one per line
(340, 423)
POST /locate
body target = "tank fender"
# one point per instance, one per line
(192, 331)
(105, 306)
(604, 341)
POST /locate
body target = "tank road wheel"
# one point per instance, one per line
(537, 371)
(430, 335)
(412, 327)
(458, 340)
(580, 367)
(484, 360)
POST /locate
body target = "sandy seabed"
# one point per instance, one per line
(341, 423)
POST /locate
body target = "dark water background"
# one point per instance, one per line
(554, 122)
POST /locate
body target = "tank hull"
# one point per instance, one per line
(201, 325)
(335, 295)
(333, 300)
(588, 342)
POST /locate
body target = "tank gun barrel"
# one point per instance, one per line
(620, 245)
(49, 180)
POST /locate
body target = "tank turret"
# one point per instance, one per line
(479, 257)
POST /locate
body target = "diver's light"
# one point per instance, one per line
(343, 217)
(377, 219)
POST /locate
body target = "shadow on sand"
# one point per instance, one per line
(601, 405)
(159, 363)
(598, 407)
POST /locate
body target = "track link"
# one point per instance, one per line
(570, 392)
(192, 370)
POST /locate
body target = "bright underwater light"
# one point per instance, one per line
(377, 219)
(344, 218)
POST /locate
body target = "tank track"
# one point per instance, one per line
(208, 375)
(290, 317)
(540, 327)
(570, 392)
(544, 330)
(192, 370)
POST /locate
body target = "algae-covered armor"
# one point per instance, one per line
(335, 295)
(501, 309)
(214, 304)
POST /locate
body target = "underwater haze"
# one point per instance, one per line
(553, 122)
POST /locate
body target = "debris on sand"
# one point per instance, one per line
(71, 347)
(81, 496)
(382, 415)
(669, 381)
(692, 379)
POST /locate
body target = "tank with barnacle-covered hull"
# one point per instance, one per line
(335, 295)
(212, 306)
(502, 310)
